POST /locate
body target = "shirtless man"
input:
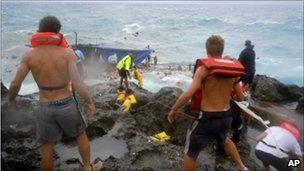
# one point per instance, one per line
(53, 67)
(215, 116)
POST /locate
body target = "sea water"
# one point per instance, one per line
(177, 31)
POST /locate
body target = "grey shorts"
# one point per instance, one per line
(55, 118)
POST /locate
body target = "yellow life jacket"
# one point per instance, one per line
(138, 76)
(129, 101)
(121, 97)
(162, 137)
(125, 63)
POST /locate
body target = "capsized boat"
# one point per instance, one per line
(113, 54)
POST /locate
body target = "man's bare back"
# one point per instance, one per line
(49, 66)
(53, 66)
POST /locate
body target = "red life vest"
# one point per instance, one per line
(48, 38)
(225, 67)
(293, 129)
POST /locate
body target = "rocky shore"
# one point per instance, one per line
(127, 135)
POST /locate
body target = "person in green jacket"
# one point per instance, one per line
(124, 66)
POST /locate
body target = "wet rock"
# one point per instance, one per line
(147, 156)
(269, 89)
(20, 155)
(99, 126)
(21, 151)
(292, 92)
(125, 127)
(300, 106)
(4, 91)
(157, 122)
(167, 96)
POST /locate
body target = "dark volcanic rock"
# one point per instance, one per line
(4, 90)
(269, 89)
(168, 95)
(300, 106)
(157, 122)
(20, 150)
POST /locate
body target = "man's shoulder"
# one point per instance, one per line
(202, 71)
(28, 54)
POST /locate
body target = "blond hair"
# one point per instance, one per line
(215, 45)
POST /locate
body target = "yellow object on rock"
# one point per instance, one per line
(129, 101)
(121, 97)
(138, 76)
(162, 137)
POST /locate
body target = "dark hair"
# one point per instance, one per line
(49, 24)
(215, 45)
(248, 43)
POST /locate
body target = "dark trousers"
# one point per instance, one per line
(269, 159)
(236, 126)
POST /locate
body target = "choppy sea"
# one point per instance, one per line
(177, 30)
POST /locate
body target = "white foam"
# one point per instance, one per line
(26, 88)
(91, 82)
(11, 48)
(131, 28)
(153, 82)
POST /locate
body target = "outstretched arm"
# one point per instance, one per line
(78, 84)
(17, 81)
(199, 75)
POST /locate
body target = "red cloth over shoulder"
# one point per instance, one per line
(48, 38)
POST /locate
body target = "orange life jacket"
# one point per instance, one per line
(48, 38)
(226, 67)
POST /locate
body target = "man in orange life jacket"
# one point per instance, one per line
(215, 116)
(53, 65)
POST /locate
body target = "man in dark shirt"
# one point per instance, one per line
(247, 58)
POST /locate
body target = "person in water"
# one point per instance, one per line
(124, 66)
(53, 65)
(155, 60)
(277, 145)
(215, 116)
(247, 58)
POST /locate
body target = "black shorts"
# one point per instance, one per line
(269, 159)
(236, 116)
(211, 126)
(122, 73)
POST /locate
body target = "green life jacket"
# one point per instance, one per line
(125, 63)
